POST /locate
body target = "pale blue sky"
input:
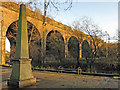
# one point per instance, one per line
(104, 14)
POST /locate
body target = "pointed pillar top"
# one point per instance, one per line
(22, 35)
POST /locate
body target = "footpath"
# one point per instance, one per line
(47, 79)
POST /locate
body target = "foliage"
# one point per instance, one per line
(7, 54)
(112, 49)
(55, 45)
(101, 51)
(87, 26)
(101, 65)
(86, 50)
(73, 47)
(33, 40)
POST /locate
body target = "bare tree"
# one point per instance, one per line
(52, 5)
(87, 26)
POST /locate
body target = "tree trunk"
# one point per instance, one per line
(78, 64)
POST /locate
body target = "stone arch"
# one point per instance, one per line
(86, 49)
(73, 47)
(72, 36)
(55, 47)
(34, 40)
(54, 30)
(87, 39)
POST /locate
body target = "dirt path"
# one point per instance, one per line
(63, 80)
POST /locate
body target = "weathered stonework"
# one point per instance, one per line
(10, 14)
(21, 69)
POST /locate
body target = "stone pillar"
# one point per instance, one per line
(80, 50)
(2, 50)
(2, 39)
(66, 48)
(21, 72)
(42, 41)
(1, 20)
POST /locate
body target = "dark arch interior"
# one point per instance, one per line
(34, 40)
(55, 47)
(73, 47)
(86, 51)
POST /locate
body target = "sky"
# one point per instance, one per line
(104, 14)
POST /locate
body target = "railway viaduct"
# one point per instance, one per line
(9, 13)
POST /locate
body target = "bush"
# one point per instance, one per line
(101, 65)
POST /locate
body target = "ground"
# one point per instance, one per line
(63, 80)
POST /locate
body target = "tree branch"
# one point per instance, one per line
(54, 6)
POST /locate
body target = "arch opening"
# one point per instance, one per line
(73, 47)
(55, 47)
(7, 50)
(34, 41)
(7, 45)
(86, 50)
